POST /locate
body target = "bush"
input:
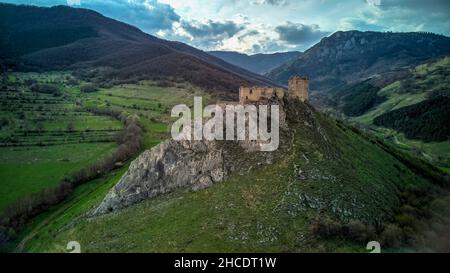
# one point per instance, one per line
(71, 81)
(88, 88)
(326, 227)
(4, 122)
(45, 88)
(357, 231)
(70, 127)
(405, 220)
(392, 236)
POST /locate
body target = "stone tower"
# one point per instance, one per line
(299, 88)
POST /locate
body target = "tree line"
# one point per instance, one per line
(428, 120)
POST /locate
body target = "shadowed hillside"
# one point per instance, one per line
(35, 38)
(354, 55)
(258, 63)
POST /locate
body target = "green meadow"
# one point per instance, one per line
(25, 170)
(47, 135)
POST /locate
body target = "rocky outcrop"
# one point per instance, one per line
(196, 165)
(164, 168)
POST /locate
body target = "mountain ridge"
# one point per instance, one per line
(258, 63)
(354, 55)
(90, 40)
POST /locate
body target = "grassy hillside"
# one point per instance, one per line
(150, 101)
(428, 120)
(356, 99)
(420, 85)
(46, 136)
(61, 37)
(26, 170)
(333, 172)
(425, 81)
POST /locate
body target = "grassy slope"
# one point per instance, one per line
(151, 102)
(24, 170)
(394, 101)
(260, 211)
(45, 151)
(427, 78)
(84, 197)
(30, 168)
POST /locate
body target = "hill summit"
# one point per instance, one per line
(348, 56)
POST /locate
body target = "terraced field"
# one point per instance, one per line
(45, 136)
(151, 102)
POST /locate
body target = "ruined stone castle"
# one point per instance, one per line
(298, 88)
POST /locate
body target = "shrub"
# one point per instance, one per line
(4, 122)
(45, 88)
(326, 227)
(405, 220)
(392, 235)
(70, 127)
(357, 231)
(88, 88)
(71, 81)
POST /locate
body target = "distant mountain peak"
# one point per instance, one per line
(347, 56)
(260, 63)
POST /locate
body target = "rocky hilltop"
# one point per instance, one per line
(253, 201)
(323, 165)
(352, 55)
(185, 164)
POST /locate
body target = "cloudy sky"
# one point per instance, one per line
(263, 26)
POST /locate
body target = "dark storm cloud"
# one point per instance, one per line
(149, 15)
(248, 34)
(293, 33)
(360, 24)
(211, 28)
(207, 35)
(429, 15)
